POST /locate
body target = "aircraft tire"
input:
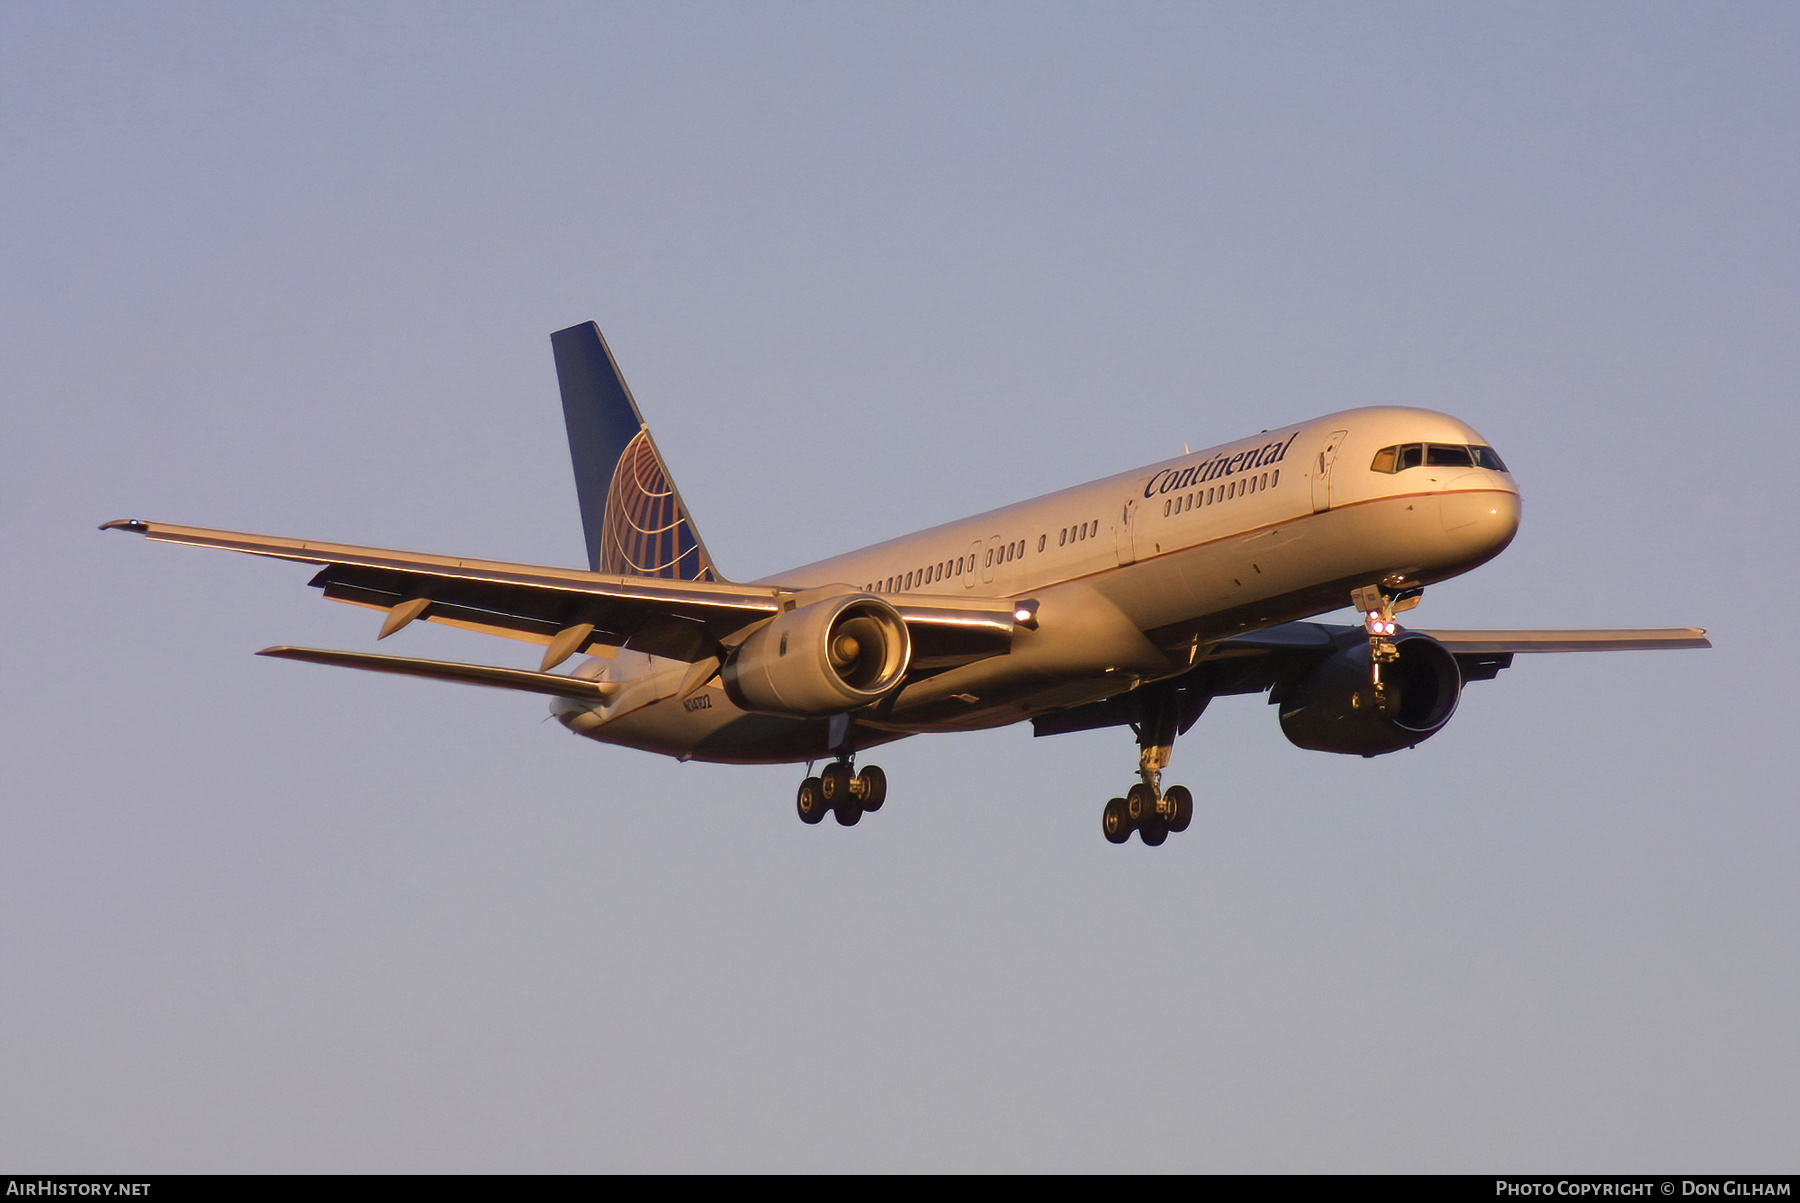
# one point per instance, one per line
(810, 801)
(1184, 807)
(1115, 824)
(1154, 832)
(835, 781)
(1140, 804)
(874, 787)
(848, 812)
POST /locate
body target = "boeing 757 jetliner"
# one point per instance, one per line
(1131, 601)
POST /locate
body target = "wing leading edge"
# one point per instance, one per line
(1489, 642)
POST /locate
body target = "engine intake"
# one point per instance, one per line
(1333, 708)
(824, 658)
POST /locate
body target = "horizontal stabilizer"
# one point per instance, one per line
(467, 674)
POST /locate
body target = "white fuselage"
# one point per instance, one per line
(1132, 575)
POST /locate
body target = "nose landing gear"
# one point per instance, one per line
(1379, 604)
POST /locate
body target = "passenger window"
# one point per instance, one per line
(1438, 455)
(1042, 539)
(1275, 478)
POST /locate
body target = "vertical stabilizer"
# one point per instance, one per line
(631, 513)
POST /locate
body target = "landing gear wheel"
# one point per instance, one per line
(848, 812)
(1154, 832)
(872, 785)
(1181, 809)
(1115, 823)
(835, 782)
(810, 801)
(1140, 804)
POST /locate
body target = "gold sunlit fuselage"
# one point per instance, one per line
(1133, 577)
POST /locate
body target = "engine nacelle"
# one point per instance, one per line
(1333, 708)
(824, 658)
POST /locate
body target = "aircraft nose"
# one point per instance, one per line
(1480, 521)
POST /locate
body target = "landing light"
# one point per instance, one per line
(1025, 614)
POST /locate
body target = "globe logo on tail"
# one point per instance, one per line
(647, 532)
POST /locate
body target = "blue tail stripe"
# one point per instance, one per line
(631, 514)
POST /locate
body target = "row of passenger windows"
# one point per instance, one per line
(1435, 455)
(1218, 493)
(918, 578)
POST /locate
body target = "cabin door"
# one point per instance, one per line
(1321, 471)
(1128, 532)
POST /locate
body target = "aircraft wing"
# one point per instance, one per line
(1488, 642)
(1257, 661)
(573, 609)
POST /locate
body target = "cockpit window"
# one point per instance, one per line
(1436, 455)
(1485, 458)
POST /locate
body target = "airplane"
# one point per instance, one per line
(1133, 600)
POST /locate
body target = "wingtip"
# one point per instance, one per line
(135, 525)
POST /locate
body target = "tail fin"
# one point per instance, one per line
(631, 513)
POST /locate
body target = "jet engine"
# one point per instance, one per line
(824, 658)
(1336, 708)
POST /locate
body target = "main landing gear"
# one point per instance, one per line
(847, 795)
(1146, 808)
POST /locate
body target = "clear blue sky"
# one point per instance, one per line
(870, 267)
